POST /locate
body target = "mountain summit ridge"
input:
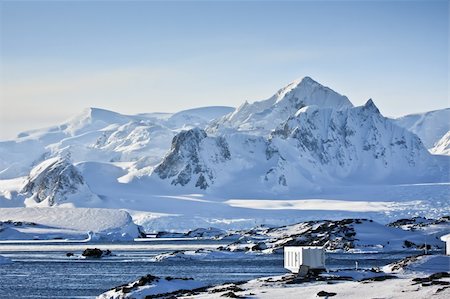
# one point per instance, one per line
(261, 117)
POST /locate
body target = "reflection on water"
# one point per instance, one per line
(44, 271)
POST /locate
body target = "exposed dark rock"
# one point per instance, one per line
(326, 294)
(333, 235)
(230, 295)
(258, 247)
(209, 232)
(441, 289)
(148, 279)
(378, 278)
(409, 244)
(439, 275)
(184, 163)
(231, 288)
(17, 223)
(404, 262)
(433, 279)
(417, 222)
(95, 253)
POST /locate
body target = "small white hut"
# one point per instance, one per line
(446, 239)
(299, 259)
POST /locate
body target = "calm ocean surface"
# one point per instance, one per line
(44, 271)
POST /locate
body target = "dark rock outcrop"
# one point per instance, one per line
(184, 163)
(95, 253)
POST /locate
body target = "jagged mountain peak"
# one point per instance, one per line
(263, 116)
(309, 80)
(307, 91)
(370, 105)
(304, 83)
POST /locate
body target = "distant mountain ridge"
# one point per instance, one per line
(429, 126)
(301, 139)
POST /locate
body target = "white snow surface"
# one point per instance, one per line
(429, 126)
(400, 288)
(111, 224)
(314, 204)
(442, 146)
(158, 286)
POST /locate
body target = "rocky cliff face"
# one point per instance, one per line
(349, 143)
(55, 181)
(190, 159)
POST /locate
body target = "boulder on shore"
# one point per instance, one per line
(95, 253)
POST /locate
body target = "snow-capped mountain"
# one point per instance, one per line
(56, 180)
(102, 135)
(315, 146)
(263, 116)
(429, 126)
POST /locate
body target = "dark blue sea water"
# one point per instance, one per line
(44, 271)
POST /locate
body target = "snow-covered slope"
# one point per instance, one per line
(442, 147)
(107, 224)
(357, 143)
(429, 126)
(197, 117)
(152, 287)
(261, 117)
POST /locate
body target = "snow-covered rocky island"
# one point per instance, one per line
(201, 203)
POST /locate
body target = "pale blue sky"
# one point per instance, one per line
(58, 57)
